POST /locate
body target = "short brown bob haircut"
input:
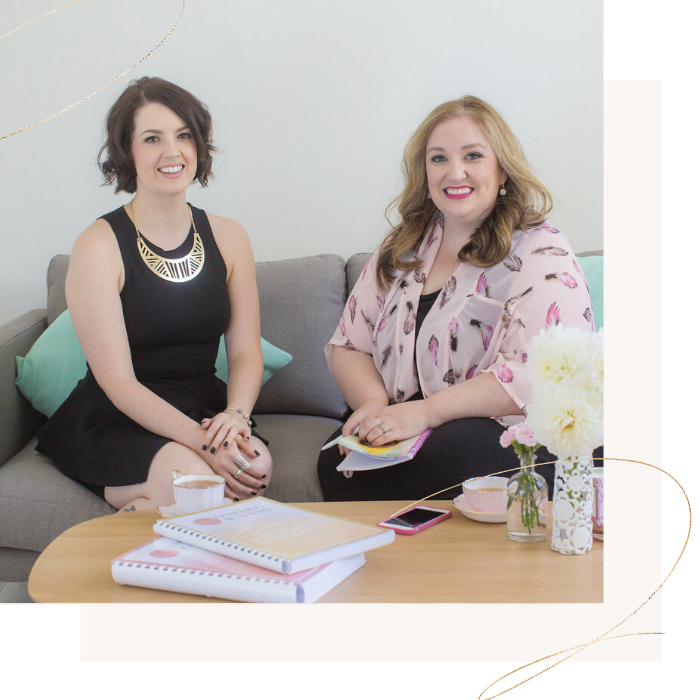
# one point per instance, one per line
(118, 164)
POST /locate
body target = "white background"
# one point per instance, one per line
(313, 102)
(41, 645)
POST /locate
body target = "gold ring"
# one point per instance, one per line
(237, 476)
(382, 428)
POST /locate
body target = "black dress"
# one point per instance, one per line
(174, 330)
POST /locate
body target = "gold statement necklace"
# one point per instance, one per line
(176, 269)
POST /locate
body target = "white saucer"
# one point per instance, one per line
(461, 504)
(174, 510)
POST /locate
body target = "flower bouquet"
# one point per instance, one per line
(527, 490)
(565, 367)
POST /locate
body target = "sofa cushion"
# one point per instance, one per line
(301, 301)
(354, 268)
(16, 564)
(56, 285)
(38, 503)
(295, 443)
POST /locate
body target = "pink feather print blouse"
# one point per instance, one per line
(482, 321)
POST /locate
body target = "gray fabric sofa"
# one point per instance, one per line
(301, 301)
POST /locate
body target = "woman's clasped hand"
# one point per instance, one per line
(228, 451)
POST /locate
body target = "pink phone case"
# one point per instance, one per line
(440, 516)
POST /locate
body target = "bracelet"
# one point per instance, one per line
(246, 416)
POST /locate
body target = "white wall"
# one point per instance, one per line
(313, 102)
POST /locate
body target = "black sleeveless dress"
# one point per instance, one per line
(174, 330)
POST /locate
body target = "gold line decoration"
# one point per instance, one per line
(65, 109)
(603, 637)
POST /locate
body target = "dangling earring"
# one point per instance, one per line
(502, 191)
(429, 197)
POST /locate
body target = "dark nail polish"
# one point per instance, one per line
(257, 454)
(254, 493)
(204, 448)
(264, 486)
(247, 437)
(263, 476)
(212, 450)
(236, 499)
(226, 444)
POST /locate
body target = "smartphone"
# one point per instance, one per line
(415, 519)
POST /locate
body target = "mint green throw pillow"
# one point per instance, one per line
(273, 359)
(592, 266)
(56, 363)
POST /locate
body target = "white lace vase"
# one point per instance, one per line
(572, 507)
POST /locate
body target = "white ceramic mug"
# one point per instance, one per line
(597, 516)
(208, 494)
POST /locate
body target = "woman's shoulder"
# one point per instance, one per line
(231, 238)
(543, 239)
(97, 238)
(225, 227)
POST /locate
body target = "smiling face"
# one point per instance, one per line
(463, 172)
(163, 149)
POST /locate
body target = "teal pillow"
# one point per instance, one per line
(592, 266)
(273, 359)
(53, 366)
(56, 363)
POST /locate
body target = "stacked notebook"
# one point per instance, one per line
(254, 551)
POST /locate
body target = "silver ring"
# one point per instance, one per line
(382, 428)
(237, 476)
(242, 462)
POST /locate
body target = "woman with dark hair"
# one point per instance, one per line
(436, 331)
(151, 287)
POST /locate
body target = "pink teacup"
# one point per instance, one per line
(487, 495)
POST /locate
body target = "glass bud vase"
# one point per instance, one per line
(572, 506)
(527, 504)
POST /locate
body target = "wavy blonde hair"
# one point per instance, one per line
(525, 205)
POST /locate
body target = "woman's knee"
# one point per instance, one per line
(264, 458)
(172, 456)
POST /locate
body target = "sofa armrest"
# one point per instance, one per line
(18, 420)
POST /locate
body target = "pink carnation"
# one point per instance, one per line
(524, 435)
(508, 436)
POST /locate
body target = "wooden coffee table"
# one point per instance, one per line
(456, 561)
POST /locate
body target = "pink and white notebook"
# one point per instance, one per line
(363, 457)
(168, 565)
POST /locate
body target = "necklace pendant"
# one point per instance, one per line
(177, 269)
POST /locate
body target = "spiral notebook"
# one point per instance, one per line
(275, 536)
(363, 457)
(168, 565)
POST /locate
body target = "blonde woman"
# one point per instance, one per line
(436, 331)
